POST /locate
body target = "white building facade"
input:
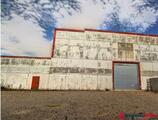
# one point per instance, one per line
(86, 60)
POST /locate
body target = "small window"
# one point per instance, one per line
(125, 50)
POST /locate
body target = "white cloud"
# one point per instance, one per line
(129, 12)
(93, 15)
(21, 37)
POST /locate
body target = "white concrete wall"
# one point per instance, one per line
(17, 72)
(82, 61)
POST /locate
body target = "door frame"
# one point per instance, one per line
(128, 62)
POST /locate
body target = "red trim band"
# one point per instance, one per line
(108, 31)
(53, 46)
(71, 30)
(129, 33)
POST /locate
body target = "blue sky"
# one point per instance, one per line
(28, 25)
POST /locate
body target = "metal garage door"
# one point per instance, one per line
(126, 76)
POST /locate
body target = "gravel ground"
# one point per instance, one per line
(75, 105)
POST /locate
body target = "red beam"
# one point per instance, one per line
(128, 33)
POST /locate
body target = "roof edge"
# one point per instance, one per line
(129, 33)
(107, 31)
(68, 29)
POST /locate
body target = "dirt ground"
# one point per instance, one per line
(75, 105)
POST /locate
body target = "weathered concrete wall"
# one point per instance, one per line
(83, 60)
(95, 51)
(17, 72)
(81, 74)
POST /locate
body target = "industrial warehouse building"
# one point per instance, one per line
(86, 60)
